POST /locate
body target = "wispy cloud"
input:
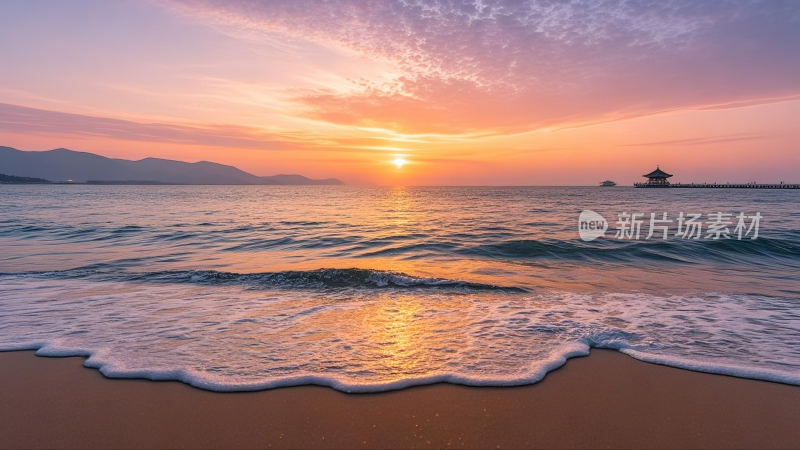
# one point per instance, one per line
(20, 119)
(701, 141)
(33, 121)
(519, 65)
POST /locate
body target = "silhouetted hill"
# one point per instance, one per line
(62, 164)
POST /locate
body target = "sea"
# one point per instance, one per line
(365, 289)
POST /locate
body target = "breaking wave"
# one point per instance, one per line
(312, 279)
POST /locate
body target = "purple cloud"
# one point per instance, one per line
(519, 65)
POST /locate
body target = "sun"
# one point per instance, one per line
(399, 162)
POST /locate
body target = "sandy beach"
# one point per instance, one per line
(604, 400)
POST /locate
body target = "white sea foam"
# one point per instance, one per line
(230, 338)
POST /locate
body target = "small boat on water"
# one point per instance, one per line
(608, 183)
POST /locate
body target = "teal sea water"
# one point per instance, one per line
(370, 288)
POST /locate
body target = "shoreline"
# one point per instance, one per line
(607, 399)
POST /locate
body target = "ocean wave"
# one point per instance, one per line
(235, 338)
(765, 250)
(104, 361)
(312, 239)
(312, 279)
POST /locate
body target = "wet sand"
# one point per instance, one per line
(604, 400)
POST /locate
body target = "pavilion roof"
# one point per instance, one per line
(658, 173)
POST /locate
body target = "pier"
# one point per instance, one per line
(724, 186)
(658, 179)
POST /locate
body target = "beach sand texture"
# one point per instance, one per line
(604, 400)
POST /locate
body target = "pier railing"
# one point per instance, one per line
(720, 185)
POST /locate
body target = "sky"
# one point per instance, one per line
(466, 92)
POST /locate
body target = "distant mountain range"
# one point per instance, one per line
(61, 165)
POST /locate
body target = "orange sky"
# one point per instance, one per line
(494, 93)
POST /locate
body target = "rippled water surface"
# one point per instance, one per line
(232, 288)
